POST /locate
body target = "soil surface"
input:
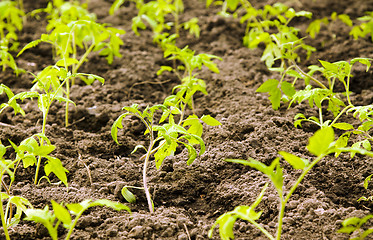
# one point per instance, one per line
(188, 199)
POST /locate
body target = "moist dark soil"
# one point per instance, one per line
(188, 199)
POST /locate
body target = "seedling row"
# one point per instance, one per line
(74, 36)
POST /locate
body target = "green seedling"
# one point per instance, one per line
(259, 29)
(365, 28)
(84, 34)
(354, 225)
(320, 144)
(164, 139)
(155, 13)
(61, 12)
(314, 27)
(338, 103)
(13, 104)
(32, 150)
(47, 89)
(8, 219)
(11, 21)
(189, 64)
(64, 214)
(366, 183)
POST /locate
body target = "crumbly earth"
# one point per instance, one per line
(188, 199)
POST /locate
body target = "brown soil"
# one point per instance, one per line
(188, 199)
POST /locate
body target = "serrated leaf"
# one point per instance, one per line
(288, 89)
(294, 161)
(320, 142)
(30, 45)
(275, 98)
(44, 150)
(54, 165)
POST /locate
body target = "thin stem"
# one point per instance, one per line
(67, 104)
(280, 218)
(83, 58)
(310, 77)
(73, 225)
(320, 117)
(3, 220)
(265, 232)
(45, 114)
(144, 179)
(146, 162)
(340, 114)
(283, 202)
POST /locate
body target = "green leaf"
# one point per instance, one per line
(367, 180)
(44, 217)
(66, 62)
(275, 98)
(268, 86)
(62, 214)
(271, 86)
(365, 61)
(294, 161)
(44, 150)
(343, 126)
(210, 120)
(320, 142)
(54, 165)
(30, 45)
(288, 89)
(163, 152)
(2, 150)
(117, 124)
(192, 153)
(115, 6)
(114, 205)
(128, 195)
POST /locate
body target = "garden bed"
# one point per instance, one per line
(189, 199)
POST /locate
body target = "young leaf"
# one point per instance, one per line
(107, 203)
(62, 214)
(294, 161)
(210, 120)
(44, 217)
(271, 86)
(54, 165)
(343, 126)
(128, 195)
(320, 142)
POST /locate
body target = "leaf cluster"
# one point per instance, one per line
(270, 26)
(11, 21)
(155, 14)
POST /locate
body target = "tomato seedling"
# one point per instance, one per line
(50, 84)
(8, 219)
(320, 144)
(155, 13)
(169, 136)
(11, 21)
(63, 214)
(260, 24)
(355, 224)
(67, 36)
